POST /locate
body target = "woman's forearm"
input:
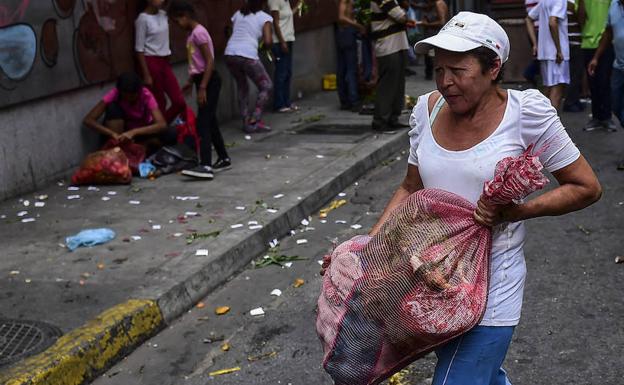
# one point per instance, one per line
(399, 196)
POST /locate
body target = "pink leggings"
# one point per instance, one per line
(241, 68)
(165, 82)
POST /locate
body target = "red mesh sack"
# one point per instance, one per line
(104, 167)
(421, 281)
(134, 152)
(188, 127)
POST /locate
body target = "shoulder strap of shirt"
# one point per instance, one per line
(436, 109)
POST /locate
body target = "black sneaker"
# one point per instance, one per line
(199, 171)
(222, 165)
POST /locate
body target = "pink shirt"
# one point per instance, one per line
(199, 37)
(138, 114)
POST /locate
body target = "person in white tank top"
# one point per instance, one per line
(459, 133)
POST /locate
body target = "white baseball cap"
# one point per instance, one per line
(467, 31)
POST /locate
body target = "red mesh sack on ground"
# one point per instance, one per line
(134, 152)
(188, 127)
(420, 282)
(104, 167)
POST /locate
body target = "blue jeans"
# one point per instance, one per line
(347, 71)
(282, 76)
(474, 358)
(367, 58)
(617, 94)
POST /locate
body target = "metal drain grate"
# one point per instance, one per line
(22, 338)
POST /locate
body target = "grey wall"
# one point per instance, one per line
(43, 140)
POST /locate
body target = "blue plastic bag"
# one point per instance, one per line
(89, 238)
(145, 169)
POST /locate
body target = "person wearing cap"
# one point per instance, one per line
(459, 133)
(552, 46)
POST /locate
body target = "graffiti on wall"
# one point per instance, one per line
(51, 46)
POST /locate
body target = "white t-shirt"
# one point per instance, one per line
(246, 33)
(545, 9)
(286, 22)
(152, 34)
(529, 119)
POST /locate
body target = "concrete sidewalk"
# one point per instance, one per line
(110, 298)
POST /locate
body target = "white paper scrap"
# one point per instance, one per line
(320, 262)
(288, 264)
(202, 253)
(93, 188)
(278, 196)
(42, 197)
(135, 237)
(135, 202)
(247, 137)
(320, 156)
(251, 223)
(191, 198)
(271, 211)
(341, 222)
(14, 272)
(302, 241)
(241, 208)
(178, 235)
(255, 227)
(305, 222)
(276, 292)
(39, 204)
(22, 213)
(105, 199)
(156, 227)
(356, 226)
(26, 220)
(323, 221)
(112, 193)
(191, 214)
(274, 243)
(73, 188)
(72, 197)
(26, 203)
(342, 194)
(237, 226)
(257, 312)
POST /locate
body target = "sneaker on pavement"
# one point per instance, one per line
(593, 125)
(200, 171)
(609, 125)
(222, 165)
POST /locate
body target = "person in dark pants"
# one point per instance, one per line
(572, 101)
(208, 85)
(435, 15)
(593, 17)
(346, 45)
(388, 25)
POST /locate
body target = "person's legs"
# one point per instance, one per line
(603, 88)
(351, 75)
(287, 81)
(556, 94)
(257, 73)
(399, 87)
(389, 77)
(279, 78)
(155, 69)
(212, 94)
(367, 59)
(474, 358)
(171, 87)
(573, 93)
(341, 68)
(617, 94)
(235, 65)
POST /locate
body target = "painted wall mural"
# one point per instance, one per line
(51, 46)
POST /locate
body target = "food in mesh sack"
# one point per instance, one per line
(104, 167)
(421, 281)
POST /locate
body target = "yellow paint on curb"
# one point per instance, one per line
(85, 352)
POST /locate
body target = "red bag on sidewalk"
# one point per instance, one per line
(104, 167)
(420, 282)
(134, 152)
(188, 127)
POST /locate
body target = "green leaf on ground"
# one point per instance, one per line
(195, 236)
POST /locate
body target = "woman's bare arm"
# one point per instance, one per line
(91, 120)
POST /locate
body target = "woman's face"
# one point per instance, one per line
(460, 79)
(156, 3)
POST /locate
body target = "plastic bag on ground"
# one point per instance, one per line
(134, 152)
(104, 167)
(89, 238)
(420, 282)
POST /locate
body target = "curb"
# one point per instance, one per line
(84, 353)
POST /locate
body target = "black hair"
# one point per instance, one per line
(487, 59)
(129, 82)
(180, 8)
(251, 6)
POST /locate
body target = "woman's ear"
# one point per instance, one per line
(494, 71)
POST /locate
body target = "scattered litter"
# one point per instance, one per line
(356, 226)
(112, 193)
(276, 292)
(279, 260)
(225, 371)
(274, 243)
(89, 238)
(177, 235)
(299, 198)
(342, 194)
(302, 241)
(135, 202)
(3, 216)
(619, 259)
(82, 282)
(225, 347)
(320, 262)
(320, 156)
(293, 232)
(278, 196)
(257, 312)
(60, 183)
(41, 197)
(200, 305)
(341, 222)
(105, 198)
(237, 226)
(221, 310)
(288, 265)
(92, 188)
(211, 339)
(27, 220)
(26, 203)
(241, 208)
(73, 188)
(202, 253)
(22, 213)
(136, 237)
(251, 223)
(305, 222)
(584, 230)
(28, 280)
(191, 198)
(332, 206)
(323, 221)
(271, 211)
(14, 272)
(255, 227)
(72, 197)
(191, 214)
(298, 283)
(247, 137)
(146, 169)
(156, 227)
(100, 266)
(39, 204)
(308, 229)
(262, 356)
(194, 236)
